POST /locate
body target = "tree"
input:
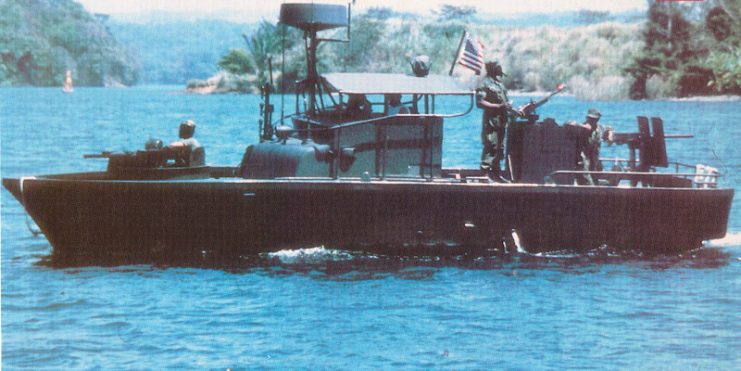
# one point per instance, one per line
(263, 43)
(365, 36)
(449, 12)
(237, 62)
(733, 9)
(719, 23)
(40, 40)
(667, 53)
(726, 67)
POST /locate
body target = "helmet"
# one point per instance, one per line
(153, 144)
(494, 69)
(187, 129)
(421, 65)
(593, 114)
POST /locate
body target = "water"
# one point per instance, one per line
(323, 308)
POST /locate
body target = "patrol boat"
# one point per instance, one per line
(352, 169)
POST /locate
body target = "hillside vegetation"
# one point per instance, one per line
(686, 56)
(688, 50)
(588, 58)
(40, 40)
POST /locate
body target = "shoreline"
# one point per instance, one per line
(211, 89)
(703, 98)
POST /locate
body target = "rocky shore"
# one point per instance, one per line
(223, 83)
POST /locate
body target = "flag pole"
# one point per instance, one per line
(457, 53)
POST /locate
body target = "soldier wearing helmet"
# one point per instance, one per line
(186, 145)
(491, 96)
(187, 130)
(590, 144)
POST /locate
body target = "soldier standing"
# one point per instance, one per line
(589, 149)
(492, 97)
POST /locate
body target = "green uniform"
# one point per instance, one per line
(590, 151)
(493, 124)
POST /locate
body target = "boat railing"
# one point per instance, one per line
(619, 162)
(704, 176)
(385, 117)
(704, 179)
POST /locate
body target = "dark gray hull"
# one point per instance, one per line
(90, 219)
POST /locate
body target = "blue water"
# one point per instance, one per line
(323, 308)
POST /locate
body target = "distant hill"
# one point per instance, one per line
(174, 52)
(40, 40)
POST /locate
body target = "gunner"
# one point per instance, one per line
(590, 144)
(185, 147)
(492, 97)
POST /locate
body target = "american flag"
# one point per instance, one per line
(472, 54)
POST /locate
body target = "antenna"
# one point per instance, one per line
(313, 18)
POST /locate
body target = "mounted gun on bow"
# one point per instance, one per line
(528, 109)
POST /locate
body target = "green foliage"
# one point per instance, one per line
(601, 61)
(588, 59)
(237, 61)
(726, 67)
(361, 51)
(263, 44)
(686, 58)
(40, 40)
(534, 58)
(718, 22)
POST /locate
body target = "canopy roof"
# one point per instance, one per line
(390, 83)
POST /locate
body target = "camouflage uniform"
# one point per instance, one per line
(590, 151)
(493, 124)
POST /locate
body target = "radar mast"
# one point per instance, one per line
(312, 19)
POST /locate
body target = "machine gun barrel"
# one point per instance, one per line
(530, 107)
(627, 138)
(678, 136)
(104, 154)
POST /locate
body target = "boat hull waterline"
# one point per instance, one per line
(91, 218)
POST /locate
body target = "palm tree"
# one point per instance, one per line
(261, 45)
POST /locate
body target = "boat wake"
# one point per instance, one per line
(334, 262)
(313, 255)
(732, 239)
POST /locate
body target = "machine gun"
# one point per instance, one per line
(154, 155)
(528, 109)
(650, 146)
(266, 108)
